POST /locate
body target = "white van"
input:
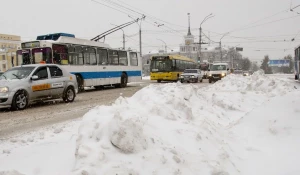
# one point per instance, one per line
(217, 71)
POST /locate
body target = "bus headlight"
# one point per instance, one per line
(3, 89)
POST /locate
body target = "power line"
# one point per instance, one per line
(110, 7)
(150, 16)
(259, 20)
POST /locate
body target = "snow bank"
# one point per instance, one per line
(175, 129)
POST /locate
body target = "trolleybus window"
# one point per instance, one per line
(79, 58)
(72, 54)
(113, 58)
(123, 60)
(133, 59)
(60, 54)
(86, 55)
(102, 56)
(90, 56)
(93, 59)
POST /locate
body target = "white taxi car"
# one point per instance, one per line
(22, 85)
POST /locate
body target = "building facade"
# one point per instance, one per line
(8, 48)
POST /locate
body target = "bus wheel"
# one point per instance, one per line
(124, 80)
(158, 81)
(80, 83)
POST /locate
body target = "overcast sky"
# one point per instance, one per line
(259, 26)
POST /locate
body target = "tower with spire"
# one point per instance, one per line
(189, 48)
(189, 38)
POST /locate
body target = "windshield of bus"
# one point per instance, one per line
(16, 73)
(161, 65)
(190, 71)
(218, 67)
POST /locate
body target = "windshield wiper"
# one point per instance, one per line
(4, 77)
(17, 76)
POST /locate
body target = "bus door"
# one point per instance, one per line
(24, 57)
(42, 55)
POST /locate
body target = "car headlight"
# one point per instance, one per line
(223, 74)
(3, 89)
(209, 75)
(181, 76)
(193, 76)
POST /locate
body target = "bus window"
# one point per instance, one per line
(102, 56)
(93, 60)
(133, 59)
(90, 56)
(60, 54)
(123, 60)
(86, 55)
(78, 56)
(72, 55)
(113, 57)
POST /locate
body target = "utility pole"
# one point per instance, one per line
(221, 46)
(123, 40)
(123, 37)
(165, 45)
(200, 34)
(140, 32)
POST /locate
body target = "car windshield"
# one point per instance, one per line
(218, 67)
(16, 73)
(190, 71)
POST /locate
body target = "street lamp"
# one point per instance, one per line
(165, 45)
(123, 36)
(221, 44)
(200, 31)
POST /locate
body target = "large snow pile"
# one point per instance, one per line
(183, 129)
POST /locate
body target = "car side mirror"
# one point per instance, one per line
(34, 77)
(227, 69)
(208, 69)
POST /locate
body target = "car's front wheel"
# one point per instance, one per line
(69, 95)
(20, 100)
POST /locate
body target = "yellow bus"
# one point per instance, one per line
(169, 67)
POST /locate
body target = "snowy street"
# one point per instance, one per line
(54, 112)
(236, 126)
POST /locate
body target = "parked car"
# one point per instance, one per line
(191, 75)
(23, 85)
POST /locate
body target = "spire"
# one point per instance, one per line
(189, 31)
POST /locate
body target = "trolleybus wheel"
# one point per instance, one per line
(80, 83)
(124, 80)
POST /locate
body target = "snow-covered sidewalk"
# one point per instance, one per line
(240, 125)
